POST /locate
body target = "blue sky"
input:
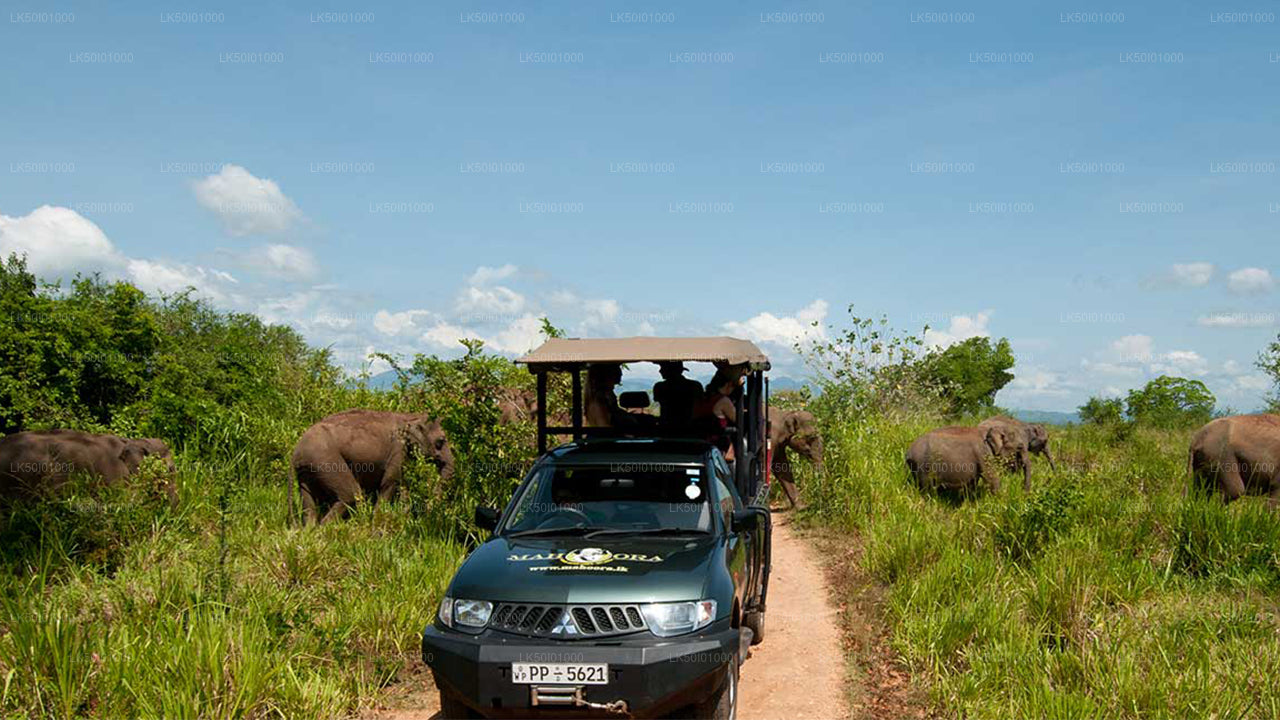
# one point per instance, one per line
(1099, 188)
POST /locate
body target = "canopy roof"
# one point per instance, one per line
(575, 351)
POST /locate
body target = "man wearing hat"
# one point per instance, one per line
(675, 394)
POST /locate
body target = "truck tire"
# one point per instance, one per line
(723, 704)
(452, 708)
(755, 622)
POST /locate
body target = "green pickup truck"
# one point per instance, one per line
(626, 577)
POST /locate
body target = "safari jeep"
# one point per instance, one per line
(627, 575)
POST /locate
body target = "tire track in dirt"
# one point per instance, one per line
(798, 672)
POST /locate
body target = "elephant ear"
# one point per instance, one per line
(790, 424)
(132, 455)
(995, 440)
(1039, 436)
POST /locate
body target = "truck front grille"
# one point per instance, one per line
(588, 621)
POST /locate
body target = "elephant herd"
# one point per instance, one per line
(34, 463)
(1230, 456)
(962, 459)
(360, 453)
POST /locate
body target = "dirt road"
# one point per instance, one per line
(797, 673)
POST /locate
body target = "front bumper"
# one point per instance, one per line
(653, 675)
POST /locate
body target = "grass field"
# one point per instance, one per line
(1102, 593)
(182, 615)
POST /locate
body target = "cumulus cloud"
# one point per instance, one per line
(159, 277)
(482, 297)
(1136, 356)
(246, 205)
(521, 336)
(495, 300)
(1196, 274)
(1131, 348)
(1180, 363)
(1250, 280)
(961, 328)
(785, 330)
(398, 323)
(57, 241)
(287, 262)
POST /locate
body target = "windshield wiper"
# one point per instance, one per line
(644, 531)
(569, 530)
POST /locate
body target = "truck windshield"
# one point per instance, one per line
(620, 497)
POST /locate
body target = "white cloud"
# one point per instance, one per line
(783, 330)
(1035, 382)
(1196, 274)
(495, 300)
(1251, 384)
(962, 327)
(447, 335)
(389, 323)
(57, 241)
(287, 262)
(1180, 363)
(1131, 349)
(519, 337)
(485, 275)
(159, 277)
(600, 312)
(245, 204)
(1250, 280)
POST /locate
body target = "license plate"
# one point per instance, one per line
(560, 673)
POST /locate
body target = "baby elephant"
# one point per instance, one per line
(957, 459)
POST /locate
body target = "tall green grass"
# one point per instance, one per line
(222, 608)
(1102, 593)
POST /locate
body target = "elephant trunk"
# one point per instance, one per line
(445, 466)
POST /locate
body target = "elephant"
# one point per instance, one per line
(38, 462)
(358, 453)
(1025, 439)
(517, 405)
(957, 458)
(792, 430)
(1238, 455)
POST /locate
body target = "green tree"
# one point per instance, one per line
(1269, 362)
(970, 373)
(1171, 402)
(1102, 411)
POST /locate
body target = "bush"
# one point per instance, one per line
(1024, 526)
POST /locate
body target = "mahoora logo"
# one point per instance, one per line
(587, 556)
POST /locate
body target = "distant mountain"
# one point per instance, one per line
(1047, 417)
(382, 381)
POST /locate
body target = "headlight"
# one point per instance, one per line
(456, 613)
(472, 613)
(668, 619)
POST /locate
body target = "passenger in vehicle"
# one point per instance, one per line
(714, 412)
(601, 402)
(675, 394)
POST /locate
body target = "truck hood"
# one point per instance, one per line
(574, 570)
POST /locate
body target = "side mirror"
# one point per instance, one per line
(634, 400)
(487, 518)
(745, 520)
